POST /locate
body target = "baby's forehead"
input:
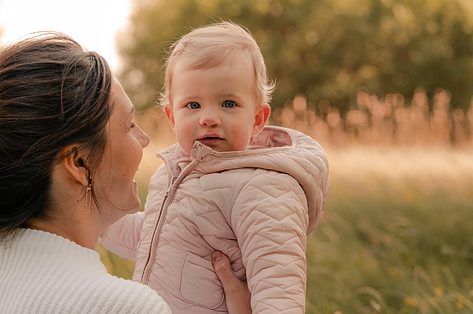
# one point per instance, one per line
(210, 59)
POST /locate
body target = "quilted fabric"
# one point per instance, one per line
(256, 206)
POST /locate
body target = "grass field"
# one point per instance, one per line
(397, 236)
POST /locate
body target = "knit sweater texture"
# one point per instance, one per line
(41, 272)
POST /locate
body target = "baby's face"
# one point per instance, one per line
(216, 106)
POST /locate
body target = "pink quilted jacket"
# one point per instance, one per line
(257, 206)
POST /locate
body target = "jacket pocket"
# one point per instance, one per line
(199, 285)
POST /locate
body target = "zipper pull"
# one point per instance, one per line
(171, 183)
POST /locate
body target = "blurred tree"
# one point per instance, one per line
(324, 49)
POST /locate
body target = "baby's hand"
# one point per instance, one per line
(237, 294)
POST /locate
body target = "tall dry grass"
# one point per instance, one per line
(389, 121)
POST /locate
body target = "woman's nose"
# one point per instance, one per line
(143, 138)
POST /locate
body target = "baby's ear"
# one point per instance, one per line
(261, 117)
(169, 114)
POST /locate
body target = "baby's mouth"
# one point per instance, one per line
(210, 136)
(210, 140)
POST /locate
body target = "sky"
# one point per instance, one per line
(93, 23)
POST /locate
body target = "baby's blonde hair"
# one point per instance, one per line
(210, 46)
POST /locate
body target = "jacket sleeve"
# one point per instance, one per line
(123, 236)
(270, 220)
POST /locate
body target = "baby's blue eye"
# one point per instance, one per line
(193, 105)
(229, 104)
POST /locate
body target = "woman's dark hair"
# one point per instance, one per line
(53, 93)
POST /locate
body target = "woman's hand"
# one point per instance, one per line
(237, 294)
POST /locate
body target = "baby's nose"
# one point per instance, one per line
(209, 118)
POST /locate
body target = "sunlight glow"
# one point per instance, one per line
(93, 23)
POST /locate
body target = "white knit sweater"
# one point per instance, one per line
(41, 272)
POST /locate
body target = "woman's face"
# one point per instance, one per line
(113, 182)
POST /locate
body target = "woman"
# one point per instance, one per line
(69, 150)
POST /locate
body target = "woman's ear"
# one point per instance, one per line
(169, 114)
(261, 118)
(74, 164)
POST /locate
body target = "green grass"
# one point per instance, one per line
(393, 248)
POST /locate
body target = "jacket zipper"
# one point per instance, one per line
(151, 253)
(159, 225)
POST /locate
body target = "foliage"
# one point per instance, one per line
(324, 49)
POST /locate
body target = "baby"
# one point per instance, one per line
(232, 184)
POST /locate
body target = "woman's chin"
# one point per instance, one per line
(132, 203)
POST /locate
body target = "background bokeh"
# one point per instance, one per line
(326, 50)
